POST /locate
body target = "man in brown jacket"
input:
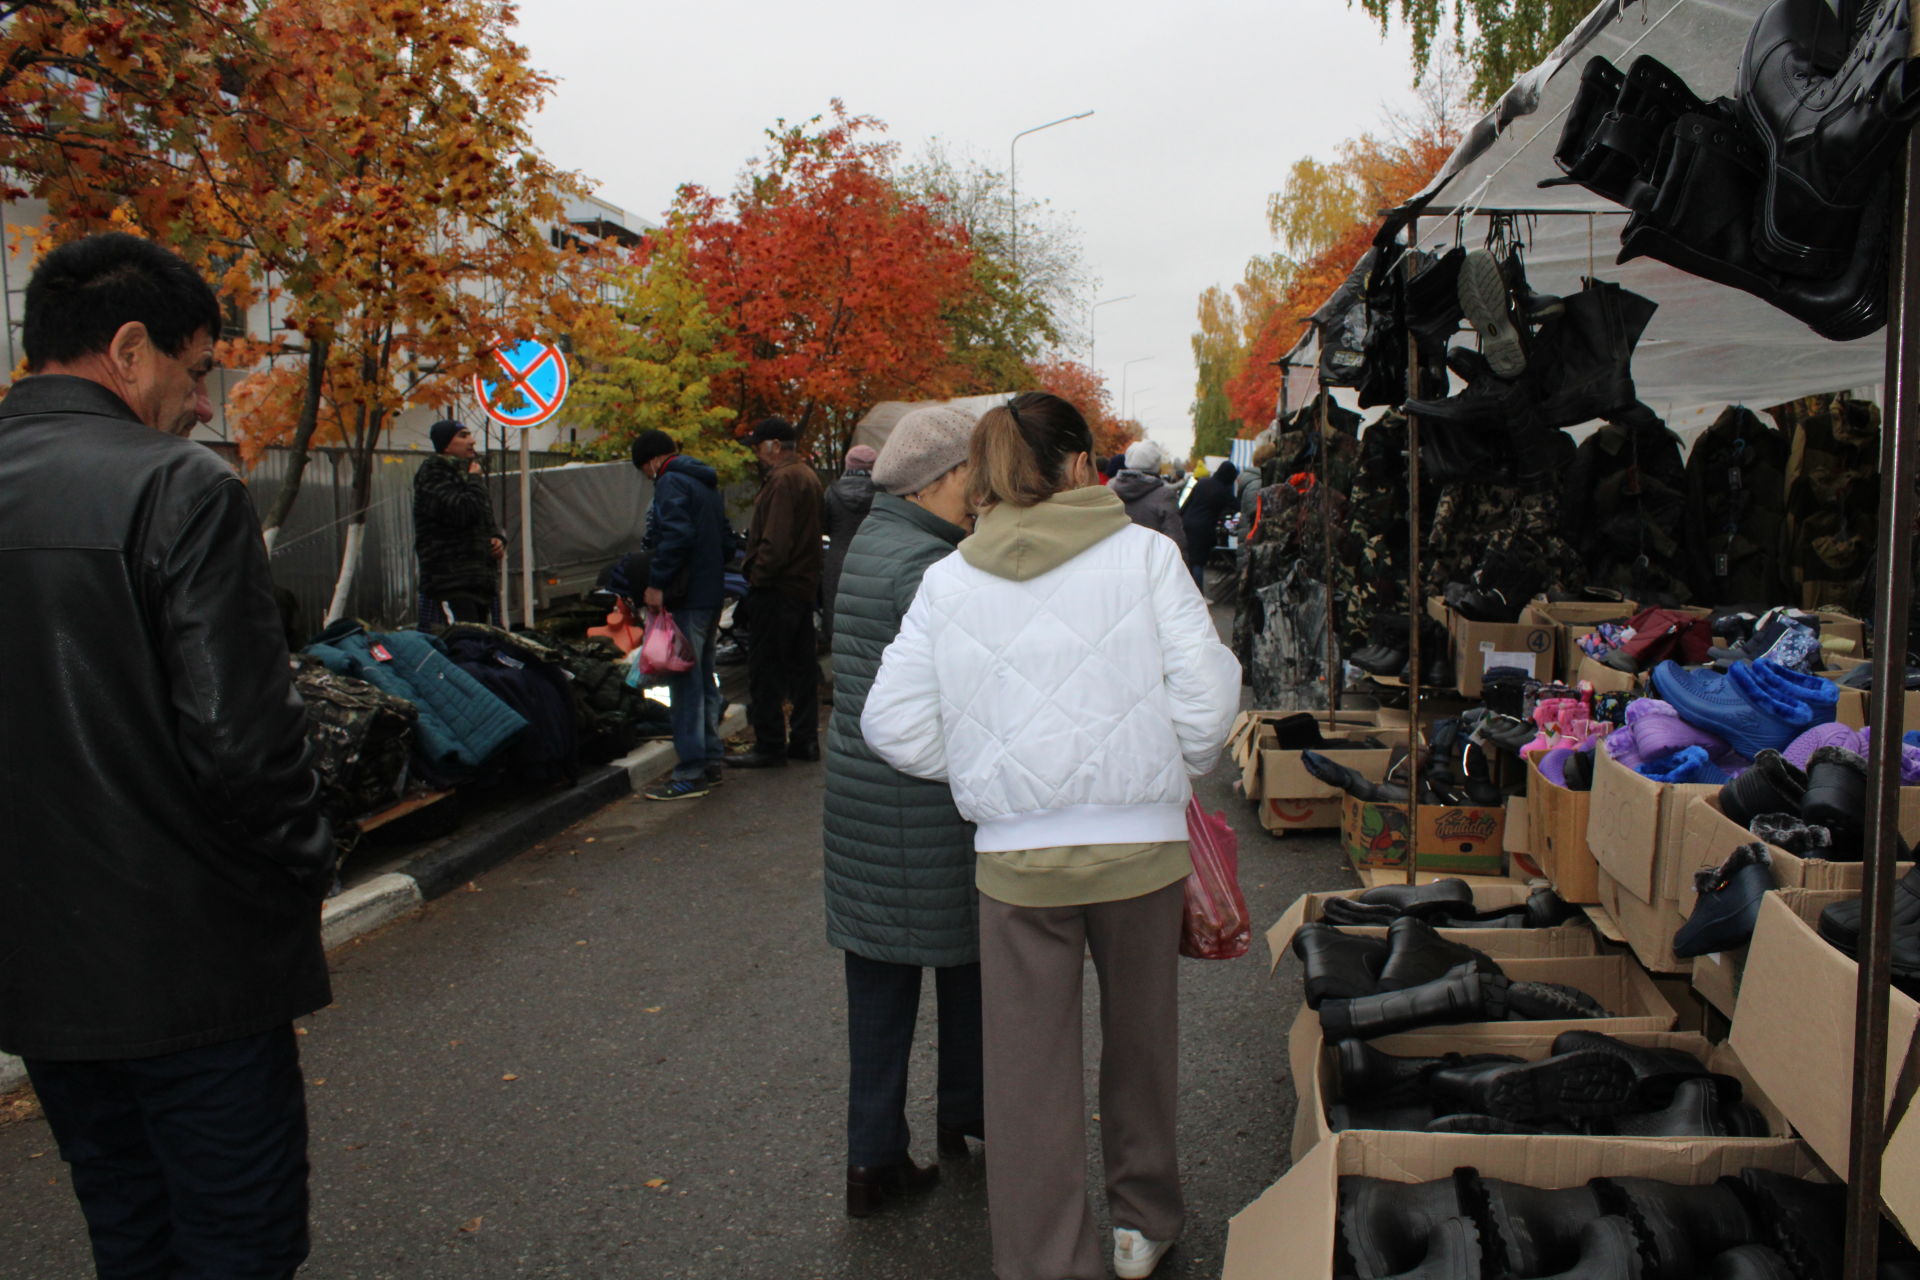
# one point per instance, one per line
(783, 584)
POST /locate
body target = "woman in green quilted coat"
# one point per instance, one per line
(899, 857)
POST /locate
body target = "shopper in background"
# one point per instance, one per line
(1148, 499)
(783, 583)
(165, 851)
(688, 544)
(1067, 716)
(1202, 512)
(899, 857)
(455, 536)
(847, 502)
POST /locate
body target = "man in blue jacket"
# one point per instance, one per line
(688, 537)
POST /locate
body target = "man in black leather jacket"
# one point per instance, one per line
(162, 851)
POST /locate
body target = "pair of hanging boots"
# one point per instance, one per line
(1782, 191)
(1386, 650)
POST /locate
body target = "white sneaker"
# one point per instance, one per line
(1135, 1256)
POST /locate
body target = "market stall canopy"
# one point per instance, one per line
(1708, 345)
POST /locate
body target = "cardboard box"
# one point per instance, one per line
(1570, 621)
(1293, 799)
(1559, 820)
(1717, 977)
(1316, 1075)
(1646, 927)
(1289, 1232)
(1636, 830)
(1447, 838)
(1518, 837)
(1794, 1030)
(1844, 626)
(1571, 939)
(1615, 981)
(1604, 679)
(1476, 646)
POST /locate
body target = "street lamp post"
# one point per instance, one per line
(1013, 187)
(1134, 400)
(1123, 378)
(1093, 330)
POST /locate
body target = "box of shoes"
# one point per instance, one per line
(1711, 836)
(1462, 839)
(1572, 938)
(1304, 1228)
(1293, 799)
(1636, 829)
(1478, 647)
(1559, 821)
(1326, 1103)
(1794, 1030)
(1572, 620)
(1606, 679)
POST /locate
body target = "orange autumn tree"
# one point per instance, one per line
(402, 223)
(833, 285)
(1086, 391)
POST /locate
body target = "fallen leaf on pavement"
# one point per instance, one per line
(472, 1224)
(472, 887)
(509, 1076)
(656, 1008)
(656, 1184)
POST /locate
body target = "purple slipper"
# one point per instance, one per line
(1797, 752)
(1553, 765)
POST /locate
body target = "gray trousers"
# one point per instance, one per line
(1030, 976)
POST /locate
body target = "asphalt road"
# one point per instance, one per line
(622, 1054)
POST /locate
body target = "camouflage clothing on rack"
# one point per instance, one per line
(1833, 492)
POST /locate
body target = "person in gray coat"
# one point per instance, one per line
(1149, 499)
(899, 857)
(844, 505)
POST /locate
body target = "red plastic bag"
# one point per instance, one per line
(663, 646)
(1215, 925)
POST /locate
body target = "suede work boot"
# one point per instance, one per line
(1367, 1074)
(1572, 1084)
(1534, 1231)
(1385, 1226)
(1416, 954)
(1339, 965)
(1465, 994)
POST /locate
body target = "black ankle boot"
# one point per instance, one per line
(1573, 1084)
(1693, 1113)
(1656, 1072)
(1416, 954)
(1837, 798)
(1367, 1074)
(1465, 994)
(1772, 785)
(1339, 965)
(1410, 1118)
(1385, 1226)
(1534, 1231)
(871, 1186)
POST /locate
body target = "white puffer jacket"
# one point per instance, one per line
(1062, 673)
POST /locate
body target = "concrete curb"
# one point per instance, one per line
(385, 898)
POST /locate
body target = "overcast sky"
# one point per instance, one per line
(1200, 108)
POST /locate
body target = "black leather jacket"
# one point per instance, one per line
(162, 852)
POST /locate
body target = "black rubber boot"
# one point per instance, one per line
(1453, 1253)
(1840, 923)
(1416, 954)
(1837, 799)
(1465, 994)
(1573, 1084)
(1750, 1262)
(1609, 1250)
(1551, 1002)
(1406, 895)
(1683, 1228)
(1339, 965)
(1385, 1226)
(1693, 1113)
(1346, 911)
(1536, 1231)
(1368, 1075)
(1411, 1118)
(1473, 1122)
(1804, 1220)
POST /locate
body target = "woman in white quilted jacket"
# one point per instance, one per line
(1061, 672)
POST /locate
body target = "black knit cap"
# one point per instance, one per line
(651, 444)
(443, 432)
(773, 429)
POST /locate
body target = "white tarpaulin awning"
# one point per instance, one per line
(1708, 345)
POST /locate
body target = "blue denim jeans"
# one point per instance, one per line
(696, 698)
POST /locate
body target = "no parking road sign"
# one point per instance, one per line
(535, 384)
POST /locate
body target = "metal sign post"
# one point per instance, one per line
(535, 386)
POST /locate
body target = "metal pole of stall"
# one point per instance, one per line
(1414, 602)
(1327, 572)
(1892, 598)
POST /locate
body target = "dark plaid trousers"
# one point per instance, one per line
(883, 1001)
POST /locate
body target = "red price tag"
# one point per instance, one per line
(380, 652)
